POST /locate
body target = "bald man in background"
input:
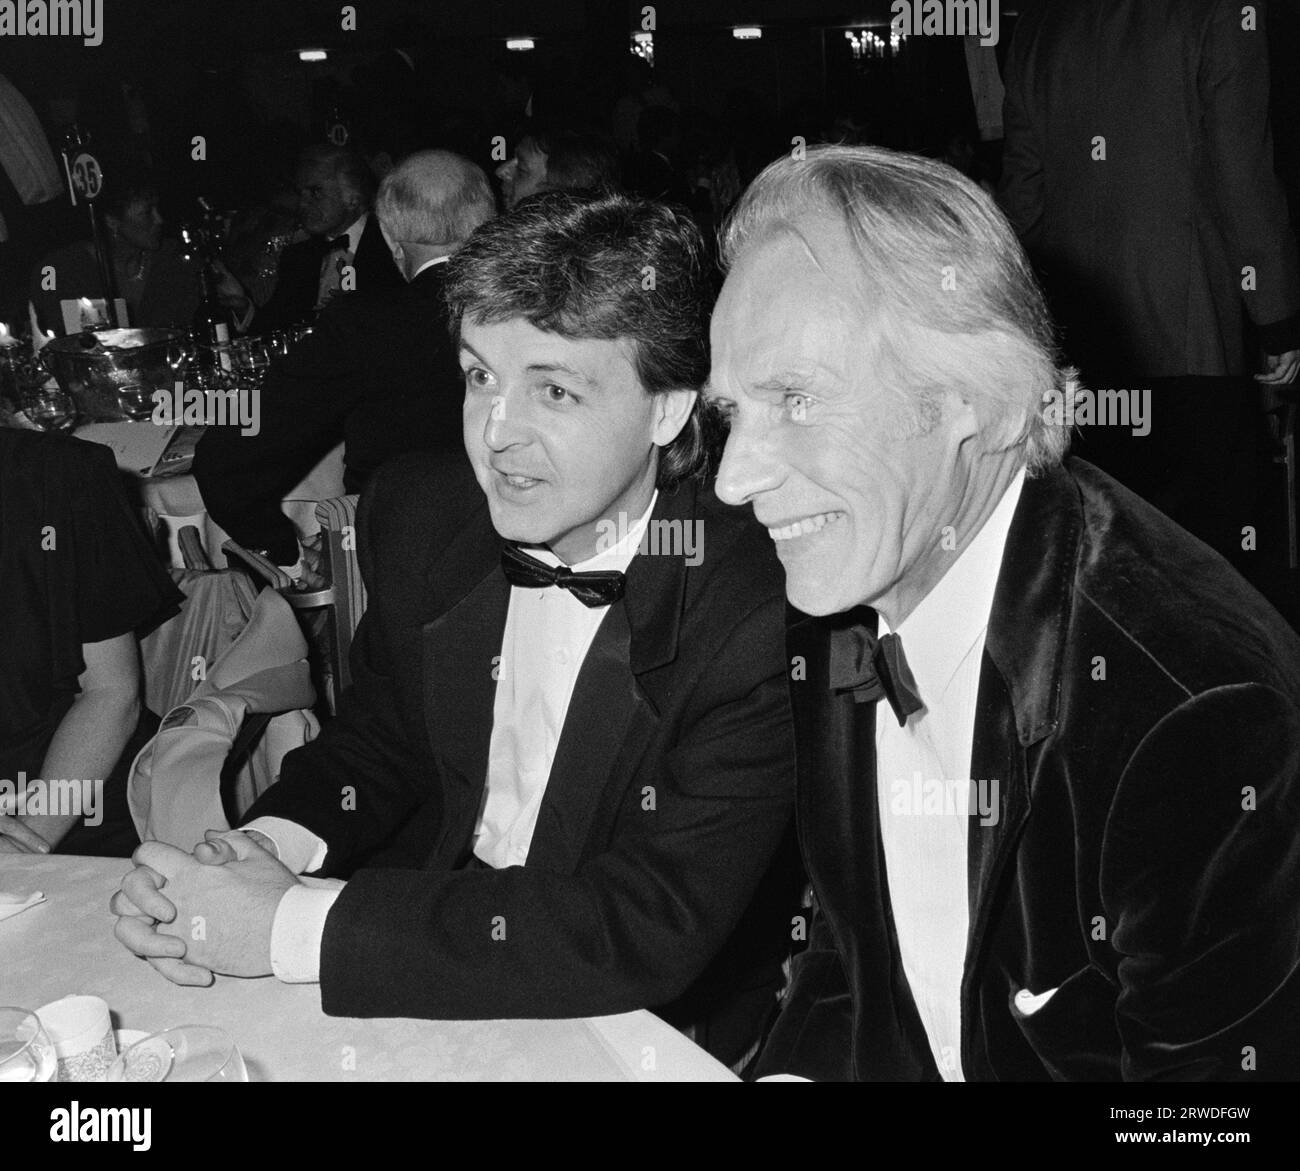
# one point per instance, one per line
(378, 372)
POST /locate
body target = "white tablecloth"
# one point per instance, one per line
(66, 945)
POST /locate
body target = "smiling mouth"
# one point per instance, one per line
(514, 480)
(802, 528)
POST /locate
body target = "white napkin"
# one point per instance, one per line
(1027, 1003)
(11, 905)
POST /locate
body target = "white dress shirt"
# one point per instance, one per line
(547, 635)
(925, 793)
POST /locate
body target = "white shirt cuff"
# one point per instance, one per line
(298, 849)
(298, 929)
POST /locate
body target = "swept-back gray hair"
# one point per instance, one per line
(434, 197)
(940, 258)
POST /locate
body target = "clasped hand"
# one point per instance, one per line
(191, 915)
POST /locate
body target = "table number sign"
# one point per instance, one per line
(82, 170)
(85, 184)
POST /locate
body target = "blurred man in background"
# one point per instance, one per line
(378, 372)
(1138, 173)
(344, 251)
(565, 160)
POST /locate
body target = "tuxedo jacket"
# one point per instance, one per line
(378, 373)
(671, 786)
(297, 281)
(1139, 706)
(1143, 253)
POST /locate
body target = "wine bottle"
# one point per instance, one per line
(213, 324)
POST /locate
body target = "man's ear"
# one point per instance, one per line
(672, 410)
(961, 412)
(393, 246)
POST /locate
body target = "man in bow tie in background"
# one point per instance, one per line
(344, 250)
(579, 724)
(1067, 847)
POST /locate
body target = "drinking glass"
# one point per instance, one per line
(187, 1053)
(136, 401)
(259, 357)
(252, 355)
(26, 1053)
(49, 408)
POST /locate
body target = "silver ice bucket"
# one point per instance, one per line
(116, 378)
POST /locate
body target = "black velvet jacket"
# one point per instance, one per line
(1140, 705)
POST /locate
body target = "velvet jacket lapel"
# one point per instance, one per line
(1020, 690)
(615, 701)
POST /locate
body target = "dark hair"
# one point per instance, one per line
(125, 181)
(577, 160)
(606, 267)
(348, 166)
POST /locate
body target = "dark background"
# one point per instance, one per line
(230, 72)
(172, 69)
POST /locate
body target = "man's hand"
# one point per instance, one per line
(1280, 369)
(217, 913)
(230, 292)
(310, 562)
(140, 908)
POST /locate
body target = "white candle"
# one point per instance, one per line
(39, 339)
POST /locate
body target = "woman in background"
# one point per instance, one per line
(160, 286)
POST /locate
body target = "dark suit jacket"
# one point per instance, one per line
(298, 277)
(378, 373)
(671, 786)
(1139, 705)
(1142, 254)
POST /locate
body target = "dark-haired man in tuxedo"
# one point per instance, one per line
(570, 685)
(378, 372)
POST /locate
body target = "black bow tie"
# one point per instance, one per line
(596, 588)
(337, 244)
(872, 668)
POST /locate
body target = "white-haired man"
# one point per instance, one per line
(1065, 845)
(378, 372)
